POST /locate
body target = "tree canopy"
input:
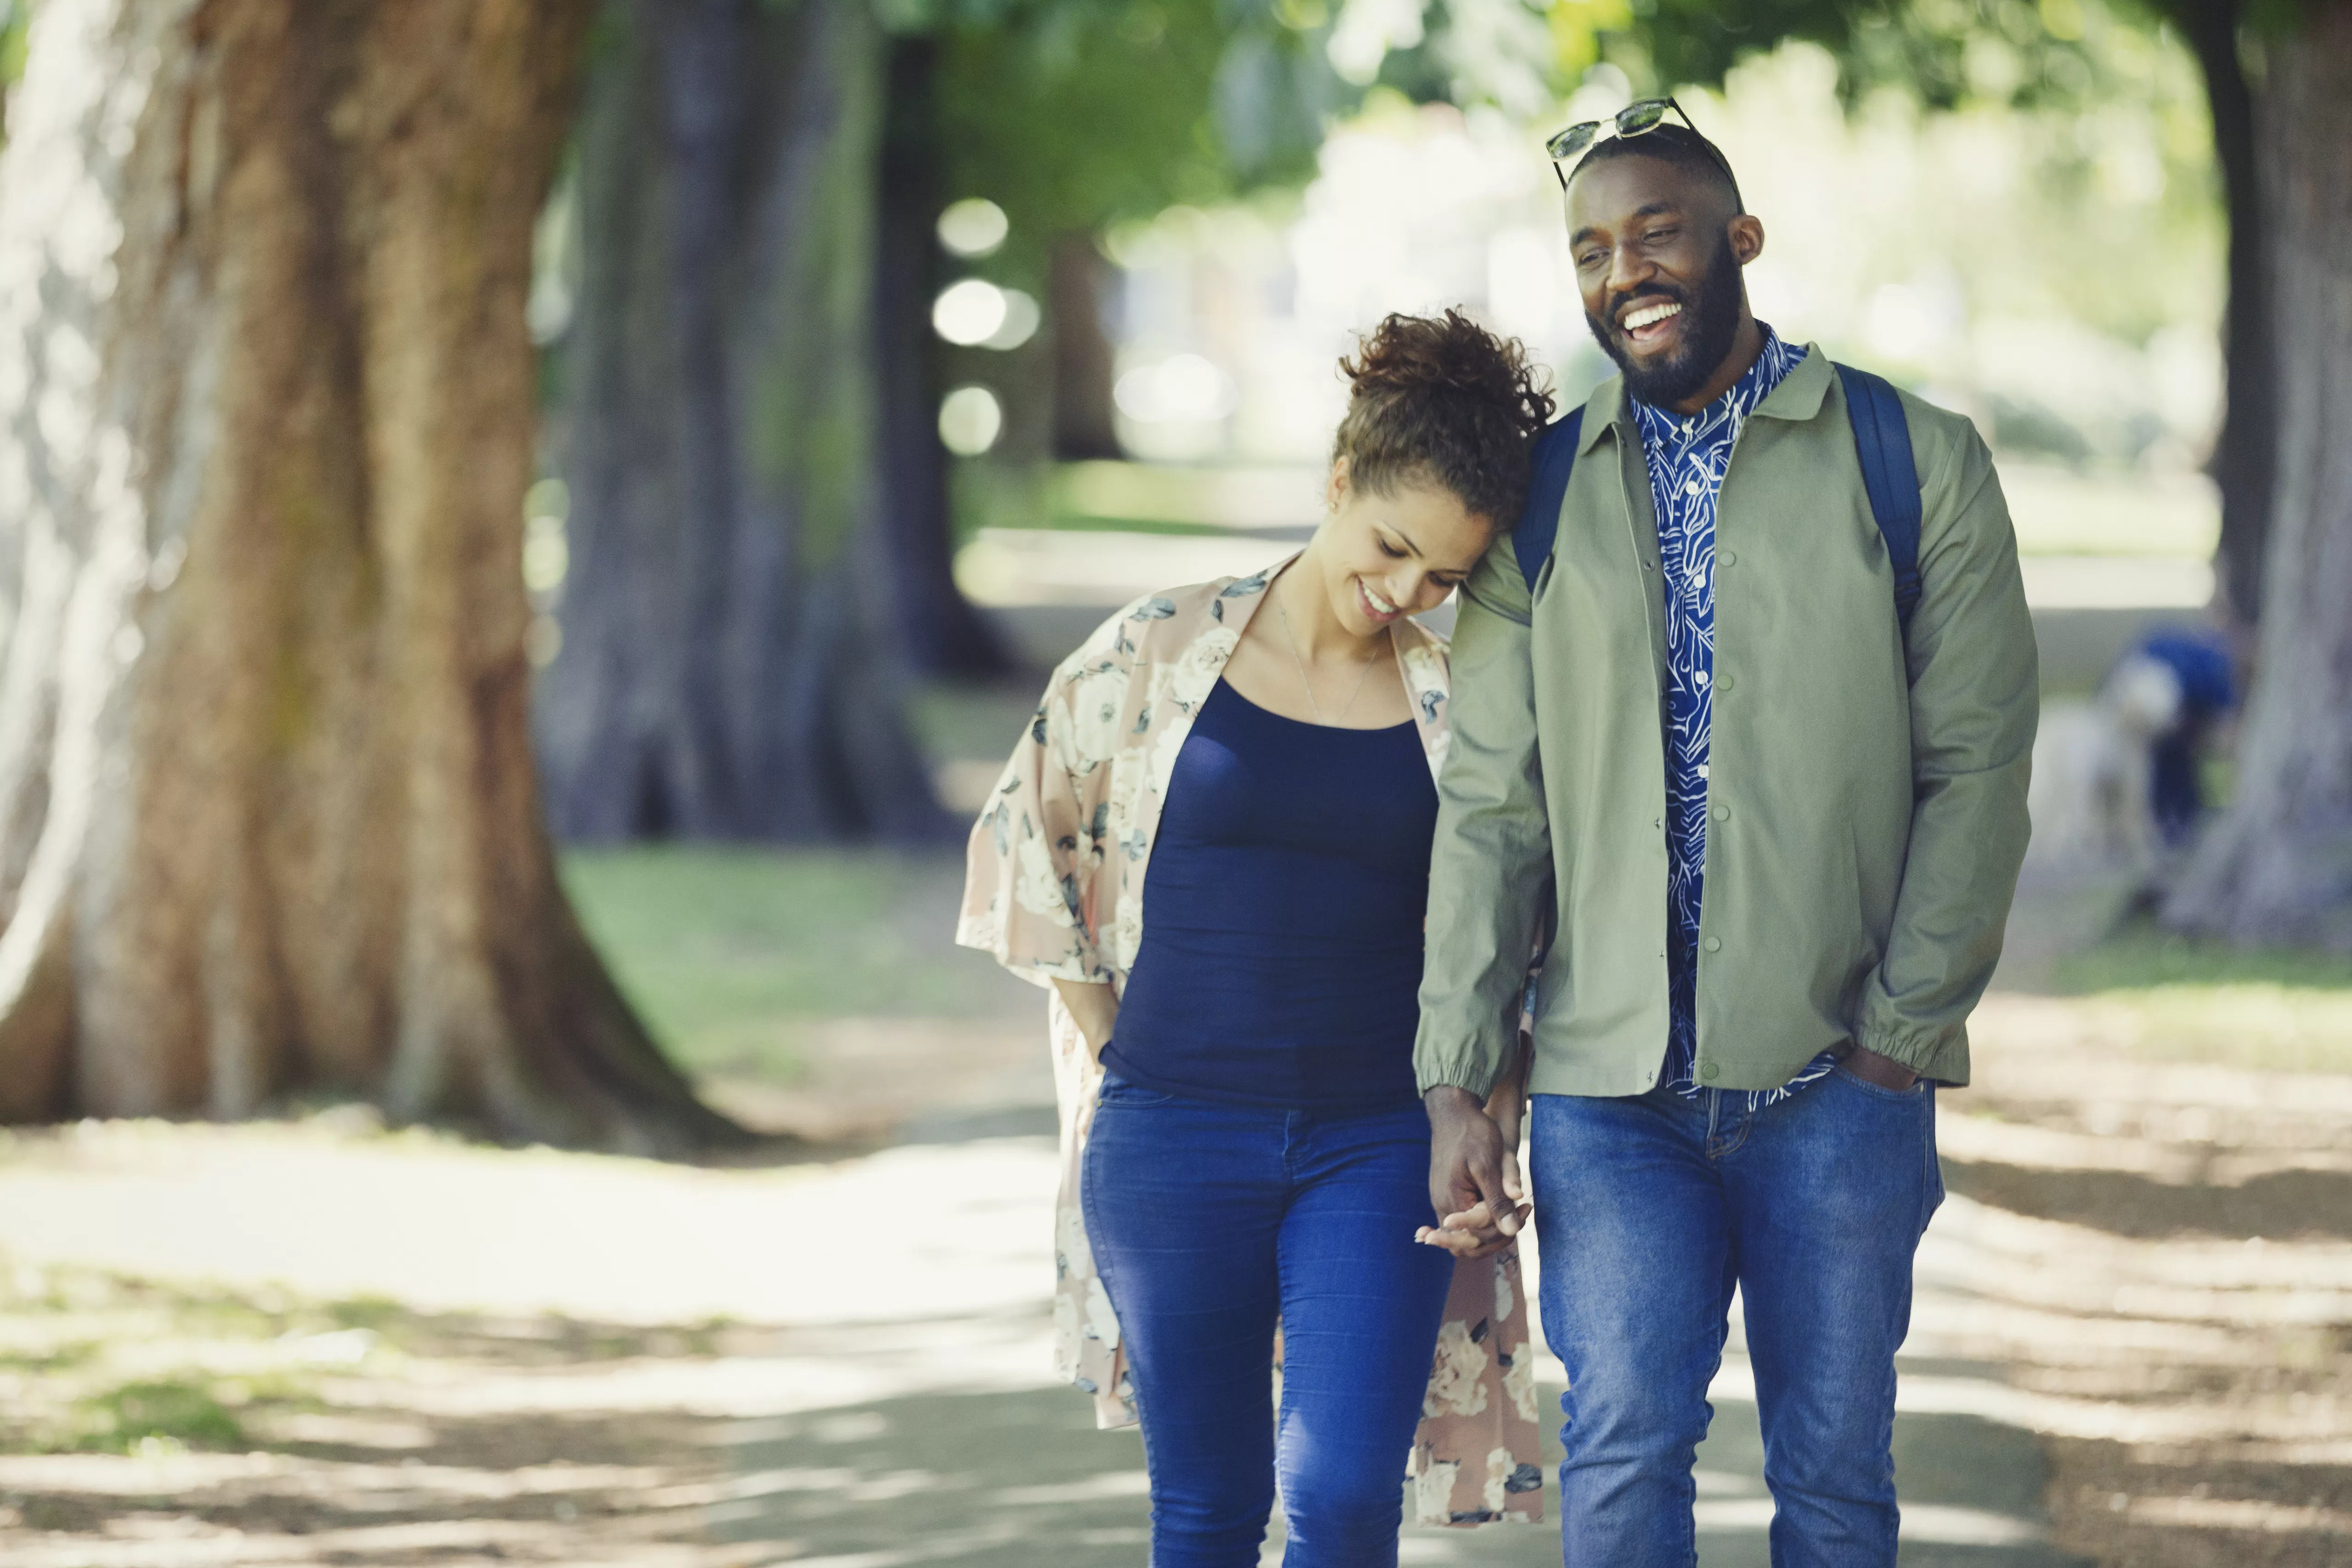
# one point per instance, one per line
(1086, 113)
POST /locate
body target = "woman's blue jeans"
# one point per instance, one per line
(1209, 1224)
(1650, 1210)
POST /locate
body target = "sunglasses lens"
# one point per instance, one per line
(1573, 139)
(1636, 118)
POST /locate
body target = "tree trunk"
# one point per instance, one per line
(268, 821)
(731, 665)
(1075, 282)
(2244, 455)
(945, 635)
(2278, 868)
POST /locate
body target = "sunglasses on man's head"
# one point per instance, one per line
(1638, 118)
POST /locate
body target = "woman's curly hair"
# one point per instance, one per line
(1442, 400)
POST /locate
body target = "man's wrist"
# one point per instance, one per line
(1451, 1100)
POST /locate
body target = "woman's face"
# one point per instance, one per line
(1386, 556)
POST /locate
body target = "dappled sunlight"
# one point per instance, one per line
(2156, 1253)
(608, 1361)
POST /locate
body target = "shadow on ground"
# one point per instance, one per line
(2303, 1205)
(1023, 1480)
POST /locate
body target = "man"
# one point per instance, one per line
(1775, 832)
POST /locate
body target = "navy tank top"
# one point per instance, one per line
(1282, 916)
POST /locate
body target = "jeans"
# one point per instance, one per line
(1649, 1210)
(1209, 1224)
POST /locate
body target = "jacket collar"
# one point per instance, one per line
(1600, 411)
(1798, 397)
(1800, 393)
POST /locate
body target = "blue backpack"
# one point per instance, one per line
(1882, 438)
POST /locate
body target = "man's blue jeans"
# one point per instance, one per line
(1649, 1211)
(1209, 1222)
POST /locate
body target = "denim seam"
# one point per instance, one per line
(1723, 1145)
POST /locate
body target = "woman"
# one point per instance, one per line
(1241, 1129)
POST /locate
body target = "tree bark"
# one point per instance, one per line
(1076, 278)
(268, 815)
(944, 632)
(2245, 454)
(2277, 867)
(732, 665)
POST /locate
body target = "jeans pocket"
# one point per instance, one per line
(1916, 1095)
(1116, 1090)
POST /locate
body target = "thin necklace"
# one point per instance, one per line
(1313, 706)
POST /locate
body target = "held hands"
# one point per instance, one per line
(1474, 1173)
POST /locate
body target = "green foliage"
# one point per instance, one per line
(15, 18)
(1948, 53)
(1072, 114)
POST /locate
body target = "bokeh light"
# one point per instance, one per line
(1022, 318)
(1179, 389)
(970, 420)
(970, 312)
(974, 227)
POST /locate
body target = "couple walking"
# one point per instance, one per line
(1731, 741)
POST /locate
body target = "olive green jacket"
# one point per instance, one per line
(1865, 800)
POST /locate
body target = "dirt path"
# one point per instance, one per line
(324, 1344)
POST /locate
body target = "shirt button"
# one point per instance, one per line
(1709, 1072)
(1723, 814)
(1730, 558)
(1713, 944)
(1723, 683)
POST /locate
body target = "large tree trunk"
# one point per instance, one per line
(2278, 866)
(944, 633)
(2244, 455)
(266, 806)
(730, 666)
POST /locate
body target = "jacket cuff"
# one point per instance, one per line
(1463, 1070)
(1940, 1055)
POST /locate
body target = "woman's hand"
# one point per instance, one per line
(1093, 1007)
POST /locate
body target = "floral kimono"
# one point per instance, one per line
(1055, 891)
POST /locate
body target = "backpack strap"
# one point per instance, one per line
(1881, 439)
(1553, 459)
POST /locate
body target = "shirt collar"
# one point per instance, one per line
(1755, 384)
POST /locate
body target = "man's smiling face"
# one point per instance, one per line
(1657, 251)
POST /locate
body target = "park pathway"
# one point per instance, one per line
(2131, 1343)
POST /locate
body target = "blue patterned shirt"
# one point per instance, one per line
(1686, 458)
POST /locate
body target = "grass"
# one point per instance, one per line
(95, 1364)
(137, 1416)
(731, 953)
(2173, 998)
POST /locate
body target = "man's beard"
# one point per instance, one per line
(1713, 323)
